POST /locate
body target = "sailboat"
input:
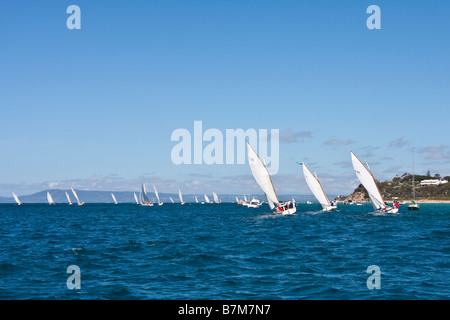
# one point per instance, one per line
(181, 196)
(157, 196)
(368, 181)
(216, 198)
(17, 199)
(207, 199)
(136, 198)
(413, 205)
(262, 177)
(171, 200)
(145, 200)
(196, 199)
(68, 199)
(114, 198)
(50, 199)
(316, 188)
(76, 197)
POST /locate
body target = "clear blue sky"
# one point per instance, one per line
(95, 108)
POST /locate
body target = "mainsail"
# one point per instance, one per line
(368, 181)
(206, 199)
(157, 195)
(216, 198)
(261, 175)
(76, 197)
(16, 198)
(114, 198)
(181, 196)
(49, 198)
(145, 198)
(316, 188)
(68, 198)
(136, 198)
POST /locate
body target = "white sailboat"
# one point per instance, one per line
(68, 199)
(216, 198)
(368, 181)
(114, 198)
(157, 196)
(316, 188)
(50, 199)
(181, 196)
(196, 199)
(171, 200)
(413, 205)
(136, 198)
(145, 200)
(254, 203)
(262, 177)
(76, 197)
(17, 199)
(207, 199)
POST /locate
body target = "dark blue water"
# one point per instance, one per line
(222, 252)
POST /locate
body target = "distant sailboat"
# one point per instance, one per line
(216, 198)
(136, 198)
(68, 199)
(196, 199)
(17, 199)
(145, 200)
(367, 179)
(413, 205)
(207, 199)
(180, 196)
(114, 198)
(50, 199)
(157, 196)
(262, 177)
(316, 188)
(76, 197)
(171, 200)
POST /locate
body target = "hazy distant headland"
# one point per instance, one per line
(427, 188)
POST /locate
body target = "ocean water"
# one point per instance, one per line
(222, 251)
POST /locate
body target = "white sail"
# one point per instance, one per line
(114, 198)
(16, 198)
(171, 200)
(261, 175)
(196, 199)
(49, 198)
(216, 198)
(68, 198)
(368, 181)
(181, 196)
(270, 203)
(245, 198)
(136, 198)
(76, 197)
(206, 199)
(316, 188)
(145, 198)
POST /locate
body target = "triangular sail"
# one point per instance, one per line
(68, 198)
(171, 200)
(316, 188)
(145, 198)
(196, 199)
(206, 199)
(76, 196)
(368, 181)
(136, 198)
(216, 198)
(180, 195)
(156, 193)
(261, 175)
(114, 198)
(16, 198)
(49, 198)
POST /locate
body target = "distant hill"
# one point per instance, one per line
(401, 187)
(59, 196)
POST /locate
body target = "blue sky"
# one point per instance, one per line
(95, 108)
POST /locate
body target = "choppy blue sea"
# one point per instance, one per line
(222, 251)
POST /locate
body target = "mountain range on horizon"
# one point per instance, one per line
(59, 196)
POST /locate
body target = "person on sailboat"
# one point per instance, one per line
(397, 204)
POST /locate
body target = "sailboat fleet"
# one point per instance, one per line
(263, 179)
